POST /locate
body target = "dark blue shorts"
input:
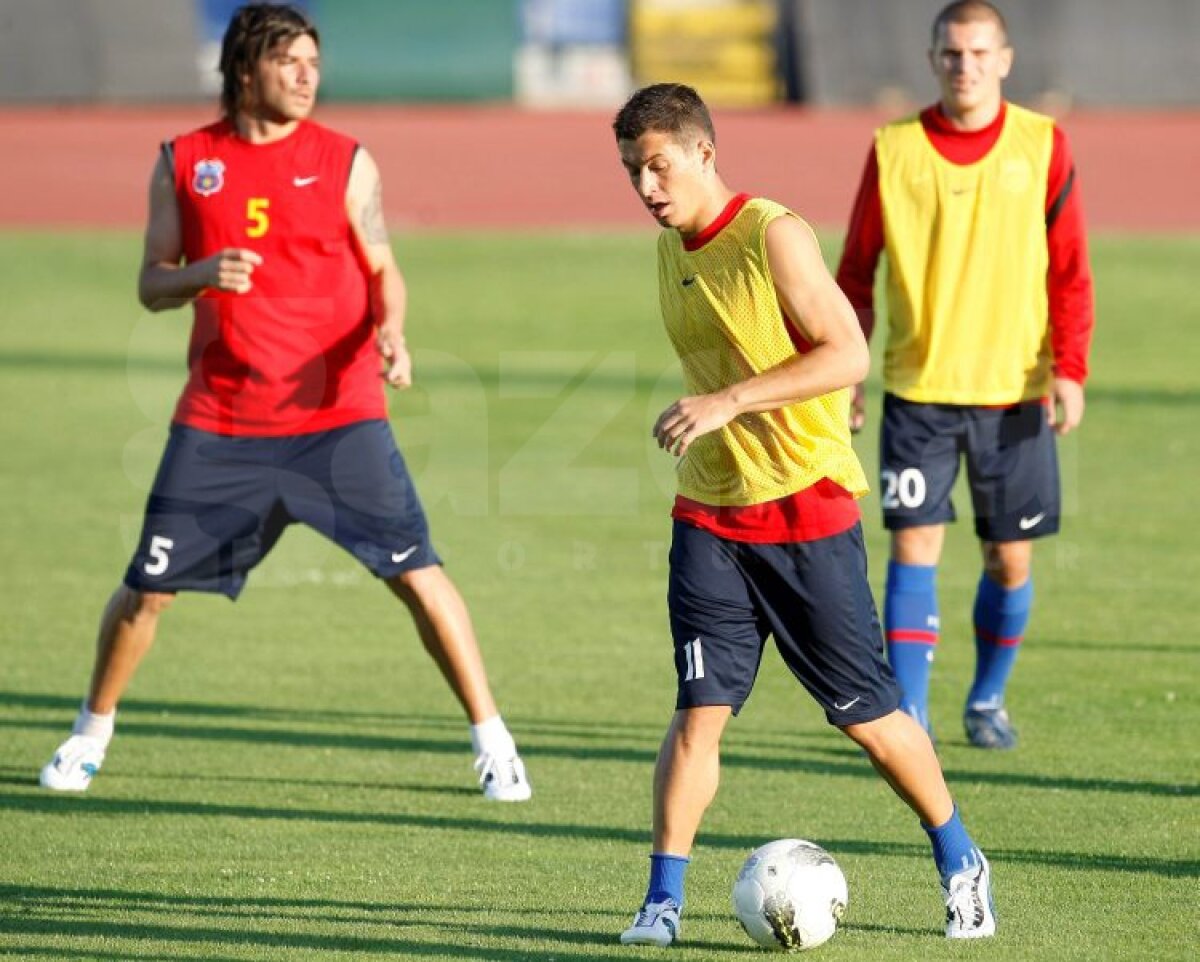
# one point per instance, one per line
(726, 597)
(219, 504)
(1012, 467)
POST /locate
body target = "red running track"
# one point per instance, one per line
(499, 167)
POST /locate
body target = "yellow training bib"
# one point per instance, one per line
(724, 320)
(967, 260)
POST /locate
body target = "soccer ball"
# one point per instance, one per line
(790, 894)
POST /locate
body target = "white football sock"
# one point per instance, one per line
(492, 737)
(89, 723)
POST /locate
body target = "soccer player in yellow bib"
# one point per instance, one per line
(976, 205)
(766, 537)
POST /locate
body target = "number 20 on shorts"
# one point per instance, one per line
(906, 487)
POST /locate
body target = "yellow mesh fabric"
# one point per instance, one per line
(967, 260)
(726, 325)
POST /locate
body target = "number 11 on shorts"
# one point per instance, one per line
(693, 656)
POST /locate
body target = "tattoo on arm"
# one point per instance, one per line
(374, 229)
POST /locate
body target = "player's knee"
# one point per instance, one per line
(154, 603)
(884, 737)
(1007, 563)
(921, 545)
(145, 604)
(699, 729)
(421, 588)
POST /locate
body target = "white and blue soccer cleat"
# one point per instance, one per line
(74, 764)
(656, 924)
(989, 728)
(970, 912)
(503, 779)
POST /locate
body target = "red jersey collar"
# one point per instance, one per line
(935, 121)
(712, 230)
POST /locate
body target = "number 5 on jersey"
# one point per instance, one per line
(258, 223)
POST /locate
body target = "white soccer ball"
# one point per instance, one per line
(790, 894)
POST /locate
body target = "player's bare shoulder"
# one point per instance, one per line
(364, 199)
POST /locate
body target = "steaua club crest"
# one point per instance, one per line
(209, 177)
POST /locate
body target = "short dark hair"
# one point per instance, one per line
(667, 108)
(969, 11)
(254, 30)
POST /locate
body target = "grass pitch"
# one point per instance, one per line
(291, 780)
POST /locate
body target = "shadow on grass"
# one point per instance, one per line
(93, 805)
(46, 911)
(148, 719)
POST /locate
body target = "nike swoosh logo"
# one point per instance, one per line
(850, 704)
(689, 281)
(1026, 523)
(304, 181)
(398, 556)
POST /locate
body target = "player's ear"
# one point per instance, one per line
(1006, 60)
(708, 153)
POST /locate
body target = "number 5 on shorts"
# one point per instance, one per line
(159, 546)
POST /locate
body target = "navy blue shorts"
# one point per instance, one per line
(219, 504)
(726, 597)
(1012, 467)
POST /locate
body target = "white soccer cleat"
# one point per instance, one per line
(970, 912)
(503, 779)
(656, 924)
(74, 765)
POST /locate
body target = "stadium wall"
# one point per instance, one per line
(98, 50)
(590, 52)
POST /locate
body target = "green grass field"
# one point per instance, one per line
(291, 780)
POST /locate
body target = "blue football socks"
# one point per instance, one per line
(1001, 616)
(910, 618)
(666, 878)
(953, 849)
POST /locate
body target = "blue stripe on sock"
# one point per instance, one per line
(1001, 617)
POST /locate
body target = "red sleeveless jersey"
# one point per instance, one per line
(295, 354)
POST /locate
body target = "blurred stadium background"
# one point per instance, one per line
(431, 87)
(587, 52)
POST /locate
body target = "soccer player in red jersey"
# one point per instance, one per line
(976, 204)
(272, 227)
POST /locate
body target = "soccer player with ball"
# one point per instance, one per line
(976, 205)
(766, 539)
(272, 227)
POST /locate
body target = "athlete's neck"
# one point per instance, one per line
(971, 118)
(714, 204)
(263, 130)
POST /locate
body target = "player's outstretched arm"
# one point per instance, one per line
(163, 283)
(389, 295)
(808, 295)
